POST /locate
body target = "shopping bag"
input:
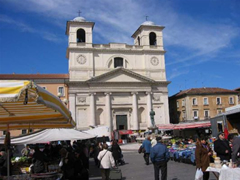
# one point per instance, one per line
(199, 174)
(115, 174)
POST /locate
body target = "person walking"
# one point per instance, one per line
(116, 152)
(159, 155)
(236, 149)
(106, 162)
(147, 147)
(203, 153)
(222, 148)
(153, 141)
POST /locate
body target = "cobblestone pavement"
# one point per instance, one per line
(135, 169)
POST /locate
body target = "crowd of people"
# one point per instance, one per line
(73, 159)
(227, 150)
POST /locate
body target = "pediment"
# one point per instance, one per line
(121, 75)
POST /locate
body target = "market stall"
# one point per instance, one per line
(48, 135)
(25, 105)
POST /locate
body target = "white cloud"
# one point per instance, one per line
(116, 21)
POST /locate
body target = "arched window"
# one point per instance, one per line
(138, 40)
(152, 39)
(80, 35)
(118, 62)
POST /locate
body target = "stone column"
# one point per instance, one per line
(109, 113)
(72, 107)
(130, 118)
(135, 111)
(149, 107)
(92, 109)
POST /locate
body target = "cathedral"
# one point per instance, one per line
(116, 84)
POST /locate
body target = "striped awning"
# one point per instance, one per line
(24, 104)
(184, 125)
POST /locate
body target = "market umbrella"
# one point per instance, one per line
(48, 135)
(25, 105)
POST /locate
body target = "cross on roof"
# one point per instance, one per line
(79, 13)
(146, 18)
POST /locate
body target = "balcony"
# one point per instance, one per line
(206, 117)
(195, 118)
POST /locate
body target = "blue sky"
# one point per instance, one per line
(201, 37)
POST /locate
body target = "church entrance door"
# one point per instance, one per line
(121, 122)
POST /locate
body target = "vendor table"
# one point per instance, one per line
(225, 173)
(215, 171)
(229, 174)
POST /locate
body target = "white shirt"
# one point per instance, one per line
(107, 160)
(153, 142)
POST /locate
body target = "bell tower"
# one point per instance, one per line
(79, 32)
(148, 34)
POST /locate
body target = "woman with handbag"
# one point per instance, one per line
(106, 162)
(203, 153)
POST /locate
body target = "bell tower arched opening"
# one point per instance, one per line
(81, 36)
(152, 39)
(138, 41)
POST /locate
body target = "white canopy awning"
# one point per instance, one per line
(99, 131)
(48, 135)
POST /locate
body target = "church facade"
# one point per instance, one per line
(117, 84)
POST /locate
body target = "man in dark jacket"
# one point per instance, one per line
(147, 146)
(159, 156)
(222, 148)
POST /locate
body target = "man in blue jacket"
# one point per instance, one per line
(159, 156)
(147, 147)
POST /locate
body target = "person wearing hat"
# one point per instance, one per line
(222, 148)
(159, 155)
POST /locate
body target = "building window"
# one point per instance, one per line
(4, 132)
(218, 100)
(30, 130)
(194, 101)
(24, 131)
(205, 101)
(195, 114)
(80, 35)
(177, 104)
(60, 91)
(184, 115)
(206, 114)
(231, 100)
(118, 62)
(183, 102)
(219, 111)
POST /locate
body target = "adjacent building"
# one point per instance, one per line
(198, 104)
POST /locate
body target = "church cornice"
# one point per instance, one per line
(151, 50)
